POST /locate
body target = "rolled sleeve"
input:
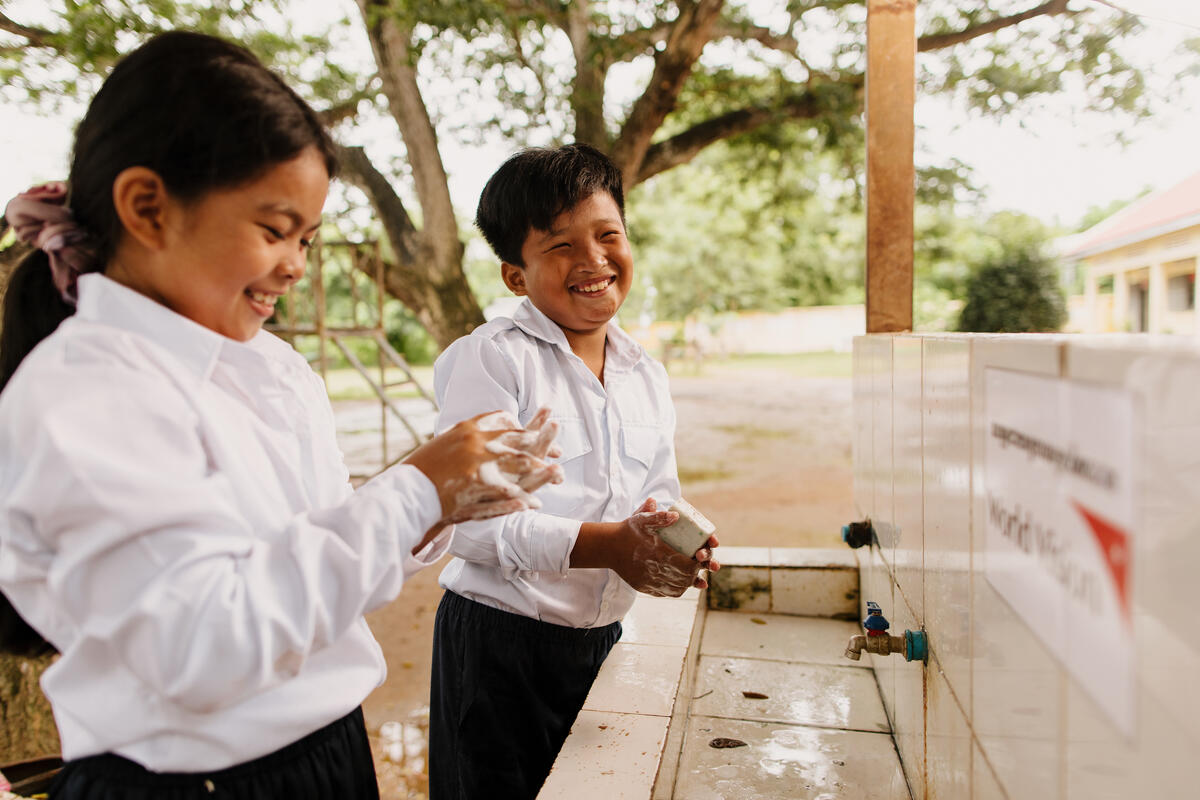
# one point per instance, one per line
(528, 542)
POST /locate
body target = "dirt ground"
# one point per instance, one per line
(764, 452)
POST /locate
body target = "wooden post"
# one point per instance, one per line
(891, 90)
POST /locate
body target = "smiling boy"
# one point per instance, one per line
(533, 603)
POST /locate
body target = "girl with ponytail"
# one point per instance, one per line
(175, 516)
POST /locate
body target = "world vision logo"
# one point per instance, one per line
(1114, 546)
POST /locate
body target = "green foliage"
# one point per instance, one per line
(1016, 292)
(748, 226)
(1097, 214)
(769, 219)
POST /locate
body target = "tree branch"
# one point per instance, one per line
(587, 90)
(391, 42)
(358, 170)
(683, 147)
(644, 40)
(749, 32)
(36, 37)
(939, 41)
(346, 110)
(673, 64)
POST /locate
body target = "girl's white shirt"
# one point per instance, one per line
(176, 518)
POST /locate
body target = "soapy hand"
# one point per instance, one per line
(650, 565)
(488, 465)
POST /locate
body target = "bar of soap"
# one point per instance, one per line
(691, 531)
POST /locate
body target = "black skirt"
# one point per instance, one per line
(333, 762)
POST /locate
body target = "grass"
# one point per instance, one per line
(688, 475)
(825, 364)
(749, 433)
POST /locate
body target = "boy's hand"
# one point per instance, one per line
(488, 465)
(635, 552)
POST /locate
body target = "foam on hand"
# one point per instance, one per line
(691, 532)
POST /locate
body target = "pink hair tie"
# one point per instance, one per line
(40, 217)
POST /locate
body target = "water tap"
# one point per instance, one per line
(857, 534)
(878, 641)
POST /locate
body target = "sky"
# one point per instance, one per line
(1045, 162)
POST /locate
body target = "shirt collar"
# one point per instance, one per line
(103, 300)
(622, 351)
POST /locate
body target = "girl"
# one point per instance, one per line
(175, 517)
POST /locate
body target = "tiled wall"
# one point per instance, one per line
(994, 714)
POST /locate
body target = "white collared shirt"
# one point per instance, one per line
(175, 517)
(618, 450)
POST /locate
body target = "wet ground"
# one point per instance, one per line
(763, 450)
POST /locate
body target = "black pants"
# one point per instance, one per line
(333, 762)
(504, 692)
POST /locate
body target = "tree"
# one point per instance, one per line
(552, 70)
(1016, 292)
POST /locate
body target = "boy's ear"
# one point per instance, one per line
(514, 278)
(141, 202)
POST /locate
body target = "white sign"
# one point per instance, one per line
(1058, 475)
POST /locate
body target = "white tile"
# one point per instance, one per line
(984, 784)
(1164, 378)
(815, 592)
(1158, 761)
(740, 589)
(882, 402)
(805, 694)
(744, 556)
(659, 620)
(908, 711)
(908, 471)
(862, 436)
(778, 637)
(947, 412)
(1016, 717)
(882, 590)
(816, 557)
(787, 762)
(947, 741)
(607, 756)
(1016, 693)
(638, 679)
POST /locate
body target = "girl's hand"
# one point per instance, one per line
(488, 465)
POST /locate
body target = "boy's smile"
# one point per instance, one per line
(578, 272)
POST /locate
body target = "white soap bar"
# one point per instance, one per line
(691, 531)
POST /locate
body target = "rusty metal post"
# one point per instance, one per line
(891, 91)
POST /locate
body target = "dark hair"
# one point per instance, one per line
(201, 112)
(535, 186)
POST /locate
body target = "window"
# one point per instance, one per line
(1181, 292)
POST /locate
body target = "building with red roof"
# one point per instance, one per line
(1140, 264)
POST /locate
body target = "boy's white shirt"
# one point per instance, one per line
(618, 449)
(176, 517)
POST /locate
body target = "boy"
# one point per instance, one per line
(533, 603)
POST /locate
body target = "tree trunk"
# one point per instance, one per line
(672, 66)
(27, 727)
(587, 90)
(428, 277)
(429, 280)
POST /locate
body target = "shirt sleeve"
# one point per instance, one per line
(474, 376)
(141, 544)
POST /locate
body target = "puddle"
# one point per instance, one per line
(401, 753)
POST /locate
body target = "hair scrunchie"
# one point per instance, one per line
(41, 217)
